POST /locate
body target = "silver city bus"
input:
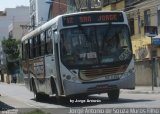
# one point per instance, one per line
(79, 53)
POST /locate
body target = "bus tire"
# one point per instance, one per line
(113, 95)
(31, 85)
(38, 96)
(53, 86)
(41, 96)
(55, 91)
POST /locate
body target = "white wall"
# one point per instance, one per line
(12, 14)
(17, 15)
(17, 31)
(4, 22)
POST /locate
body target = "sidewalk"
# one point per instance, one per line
(142, 90)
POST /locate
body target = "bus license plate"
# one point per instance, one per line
(111, 77)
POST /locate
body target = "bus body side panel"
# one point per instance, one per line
(25, 73)
(41, 69)
(36, 71)
(50, 71)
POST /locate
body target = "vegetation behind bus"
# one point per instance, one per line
(11, 49)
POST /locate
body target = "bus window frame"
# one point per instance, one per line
(49, 42)
(31, 45)
(26, 46)
(43, 44)
(23, 51)
(37, 45)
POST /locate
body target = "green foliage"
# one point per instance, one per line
(10, 47)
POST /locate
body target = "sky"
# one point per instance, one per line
(12, 3)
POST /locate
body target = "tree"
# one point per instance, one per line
(10, 48)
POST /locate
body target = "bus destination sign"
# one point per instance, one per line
(93, 18)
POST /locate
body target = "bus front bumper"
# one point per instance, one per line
(71, 88)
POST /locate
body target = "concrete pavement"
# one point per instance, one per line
(143, 90)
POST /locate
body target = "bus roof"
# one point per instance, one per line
(54, 20)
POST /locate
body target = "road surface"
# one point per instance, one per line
(16, 96)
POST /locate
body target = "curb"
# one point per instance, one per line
(140, 92)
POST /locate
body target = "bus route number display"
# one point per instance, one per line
(92, 18)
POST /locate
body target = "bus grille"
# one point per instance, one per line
(96, 73)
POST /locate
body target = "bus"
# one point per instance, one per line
(80, 53)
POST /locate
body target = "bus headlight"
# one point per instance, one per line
(68, 77)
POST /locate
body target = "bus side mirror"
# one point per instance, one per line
(56, 37)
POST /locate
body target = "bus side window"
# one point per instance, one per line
(23, 51)
(42, 41)
(35, 42)
(31, 52)
(49, 46)
(26, 53)
(37, 46)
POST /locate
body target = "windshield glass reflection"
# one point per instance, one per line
(95, 45)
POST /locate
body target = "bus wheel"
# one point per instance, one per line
(34, 87)
(53, 86)
(114, 94)
(41, 96)
(55, 91)
(31, 85)
(38, 96)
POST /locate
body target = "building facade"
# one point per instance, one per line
(144, 21)
(38, 12)
(16, 30)
(10, 27)
(58, 7)
(113, 5)
(11, 15)
(88, 5)
(143, 18)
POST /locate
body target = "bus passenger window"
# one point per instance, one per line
(49, 46)
(31, 52)
(37, 46)
(23, 51)
(26, 49)
(42, 40)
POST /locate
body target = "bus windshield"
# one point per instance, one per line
(90, 45)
